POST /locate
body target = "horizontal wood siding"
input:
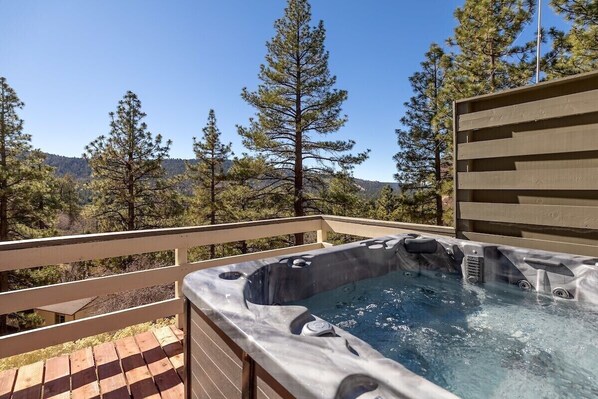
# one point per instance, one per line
(556, 107)
(216, 365)
(534, 179)
(580, 217)
(549, 141)
(527, 166)
(269, 388)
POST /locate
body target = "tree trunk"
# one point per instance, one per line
(131, 225)
(212, 202)
(3, 224)
(493, 75)
(3, 213)
(131, 200)
(298, 186)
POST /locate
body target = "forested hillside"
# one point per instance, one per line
(80, 170)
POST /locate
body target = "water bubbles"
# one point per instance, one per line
(347, 324)
(476, 341)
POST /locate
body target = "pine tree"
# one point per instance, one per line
(488, 58)
(577, 50)
(423, 160)
(297, 107)
(28, 197)
(70, 198)
(130, 191)
(386, 205)
(208, 175)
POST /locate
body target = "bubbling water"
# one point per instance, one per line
(496, 342)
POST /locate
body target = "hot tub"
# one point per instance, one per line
(402, 316)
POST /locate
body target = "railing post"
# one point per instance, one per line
(180, 259)
(322, 233)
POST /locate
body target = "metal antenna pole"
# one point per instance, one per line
(539, 41)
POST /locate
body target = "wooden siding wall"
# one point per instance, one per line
(527, 166)
(215, 364)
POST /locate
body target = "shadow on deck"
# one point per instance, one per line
(148, 365)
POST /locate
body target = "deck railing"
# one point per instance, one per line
(51, 251)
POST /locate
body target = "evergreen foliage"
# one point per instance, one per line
(249, 197)
(343, 197)
(130, 191)
(28, 202)
(70, 198)
(489, 57)
(297, 108)
(575, 51)
(208, 175)
(28, 190)
(386, 206)
(74, 166)
(424, 157)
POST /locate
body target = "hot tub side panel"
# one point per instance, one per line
(217, 368)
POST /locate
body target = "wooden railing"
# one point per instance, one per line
(51, 251)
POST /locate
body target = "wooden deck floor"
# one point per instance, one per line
(148, 365)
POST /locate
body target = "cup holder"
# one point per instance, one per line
(230, 275)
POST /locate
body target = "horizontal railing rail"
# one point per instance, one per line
(50, 251)
(370, 228)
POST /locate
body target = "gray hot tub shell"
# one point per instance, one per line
(241, 343)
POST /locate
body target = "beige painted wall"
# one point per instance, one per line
(50, 317)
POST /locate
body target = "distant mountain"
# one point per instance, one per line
(78, 168)
(371, 188)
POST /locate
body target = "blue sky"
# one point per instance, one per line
(71, 61)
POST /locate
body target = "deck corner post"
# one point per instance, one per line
(181, 260)
(322, 233)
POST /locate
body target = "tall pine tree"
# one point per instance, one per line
(208, 175)
(130, 190)
(28, 190)
(297, 108)
(575, 51)
(491, 55)
(423, 161)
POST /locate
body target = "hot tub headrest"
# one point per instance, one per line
(421, 245)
